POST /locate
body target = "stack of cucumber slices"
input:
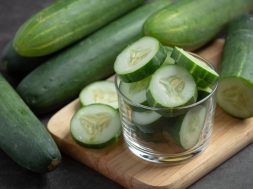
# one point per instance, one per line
(97, 124)
(169, 78)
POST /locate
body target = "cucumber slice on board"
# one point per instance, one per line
(196, 67)
(136, 91)
(103, 92)
(140, 59)
(171, 86)
(186, 129)
(96, 125)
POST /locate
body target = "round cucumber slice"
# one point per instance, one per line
(171, 86)
(195, 66)
(147, 122)
(140, 59)
(187, 128)
(136, 91)
(103, 92)
(234, 95)
(96, 125)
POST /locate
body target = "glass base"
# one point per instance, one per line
(161, 158)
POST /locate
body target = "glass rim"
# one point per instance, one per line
(129, 101)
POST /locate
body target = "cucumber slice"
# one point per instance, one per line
(171, 86)
(146, 121)
(196, 67)
(136, 91)
(96, 125)
(186, 129)
(234, 95)
(103, 92)
(168, 59)
(140, 60)
(203, 92)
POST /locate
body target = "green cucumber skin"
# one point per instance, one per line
(238, 55)
(23, 137)
(16, 64)
(65, 22)
(198, 74)
(191, 24)
(60, 79)
(148, 69)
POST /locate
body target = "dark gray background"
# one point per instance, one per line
(236, 173)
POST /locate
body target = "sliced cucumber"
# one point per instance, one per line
(140, 59)
(195, 66)
(103, 92)
(234, 95)
(168, 59)
(96, 125)
(203, 92)
(171, 86)
(136, 91)
(186, 129)
(146, 121)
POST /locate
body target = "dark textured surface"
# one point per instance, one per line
(236, 173)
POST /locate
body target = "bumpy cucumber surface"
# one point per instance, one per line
(235, 90)
(191, 24)
(66, 21)
(19, 65)
(23, 137)
(61, 79)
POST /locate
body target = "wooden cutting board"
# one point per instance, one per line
(119, 164)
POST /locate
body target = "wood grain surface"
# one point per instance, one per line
(119, 164)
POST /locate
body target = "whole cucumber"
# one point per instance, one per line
(65, 22)
(22, 136)
(18, 65)
(60, 79)
(191, 24)
(235, 91)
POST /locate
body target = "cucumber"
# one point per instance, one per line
(140, 60)
(187, 128)
(136, 91)
(235, 91)
(191, 24)
(198, 69)
(103, 92)
(18, 65)
(171, 86)
(96, 126)
(61, 79)
(66, 21)
(204, 92)
(168, 59)
(146, 121)
(23, 137)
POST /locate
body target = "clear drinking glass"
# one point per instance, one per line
(159, 143)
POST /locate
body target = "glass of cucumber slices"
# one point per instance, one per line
(166, 101)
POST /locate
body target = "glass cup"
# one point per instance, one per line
(164, 135)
